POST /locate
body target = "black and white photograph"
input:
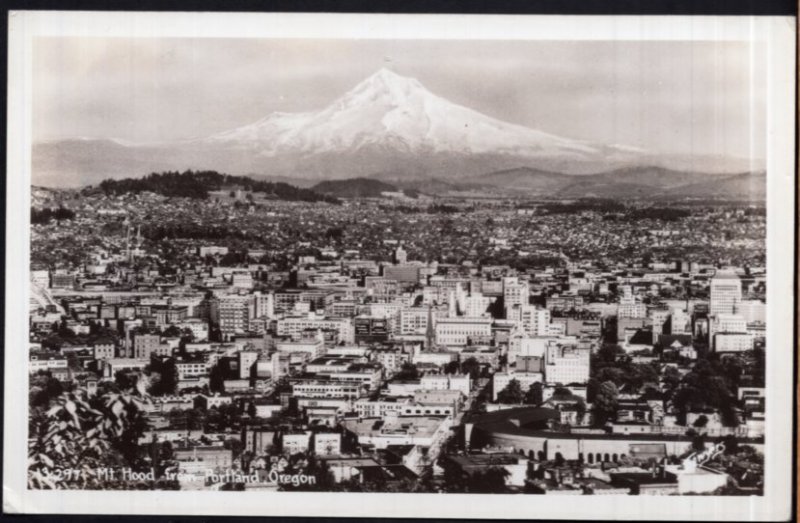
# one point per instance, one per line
(281, 261)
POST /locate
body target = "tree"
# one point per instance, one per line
(562, 393)
(512, 393)
(451, 367)
(125, 380)
(758, 369)
(591, 389)
(701, 421)
(605, 402)
(81, 435)
(472, 367)
(489, 481)
(164, 376)
(535, 394)
(580, 409)
(408, 372)
(699, 443)
(43, 388)
(173, 331)
(731, 445)
(216, 378)
(706, 388)
(671, 377)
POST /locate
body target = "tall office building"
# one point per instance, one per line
(726, 293)
(235, 313)
(629, 306)
(515, 292)
(535, 320)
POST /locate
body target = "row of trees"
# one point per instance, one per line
(514, 395)
(409, 372)
(197, 184)
(46, 215)
(711, 384)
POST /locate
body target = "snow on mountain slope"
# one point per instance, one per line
(387, 126)
(398, 113)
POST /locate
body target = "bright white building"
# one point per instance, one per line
(457, 331)
(725, 293)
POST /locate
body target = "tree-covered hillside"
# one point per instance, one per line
(197, 184)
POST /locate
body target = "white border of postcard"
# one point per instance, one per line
(777, 32)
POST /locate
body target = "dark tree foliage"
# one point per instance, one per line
(197, 184)
(408, 372)
(605, 402)
(667, 214)
(451, 368)
(164, 376)
(512, 393)
(706, 387)
(534, 395)
(193, 231)
(43, 388)
(487, 481)
(216, 379)
(472, 367)
(46, 215)
(440, 208)
(612, 364)
(584, 204)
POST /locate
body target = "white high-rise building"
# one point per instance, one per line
(414, 320)
(566, 364)
(525, 346)
(535, 320)
(629, 307)
(264, 304)
(235, 313)
(515, 292)
(733, 342)
(681, 322)
(476, 305)
(247, 358)
(725, 324)
(753, 311)
(726, 293)
(658, 318)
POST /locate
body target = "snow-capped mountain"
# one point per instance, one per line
(387, 126)
(394, 112)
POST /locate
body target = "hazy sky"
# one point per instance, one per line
(698, 97)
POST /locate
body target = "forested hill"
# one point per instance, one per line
(355, 188)
(197, 184)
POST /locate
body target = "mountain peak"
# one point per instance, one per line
(385, 83)
(387, 75)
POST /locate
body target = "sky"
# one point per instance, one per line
(697, 97)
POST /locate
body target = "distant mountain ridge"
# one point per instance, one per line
(387, 124)
(648, 182)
